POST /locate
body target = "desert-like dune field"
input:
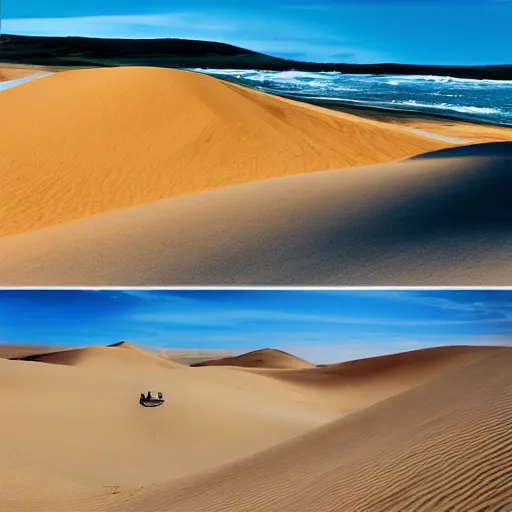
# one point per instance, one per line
(443, 217)
(422, 430)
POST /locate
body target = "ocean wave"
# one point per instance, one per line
(483, 100)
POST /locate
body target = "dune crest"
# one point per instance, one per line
(263, 358)
(103, 139)
(364, 382)
(121, 353)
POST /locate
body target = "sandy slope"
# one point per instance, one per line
(441, 446)
(121, 354)
(242, 439)
(364, 382)
(263, 358)
(443, 218)
(76, 421)
(82, 142)
(11, 351)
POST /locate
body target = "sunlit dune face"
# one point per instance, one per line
(84, 142)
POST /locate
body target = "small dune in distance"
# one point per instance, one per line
(258, 431)
(264, 358)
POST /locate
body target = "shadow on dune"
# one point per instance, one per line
(488, 149)
(431, 220)
(149, 405)
(462, 206)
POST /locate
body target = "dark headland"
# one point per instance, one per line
(63, 52)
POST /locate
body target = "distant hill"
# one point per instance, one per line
(264, 358)
(62, 52)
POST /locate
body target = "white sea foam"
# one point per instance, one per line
(487, 100)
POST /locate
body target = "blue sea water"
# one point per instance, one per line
(474, 100)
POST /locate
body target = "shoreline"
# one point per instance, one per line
(377, 113)
(387, 114)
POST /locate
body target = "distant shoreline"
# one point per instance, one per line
(383, 113)
(185, 53)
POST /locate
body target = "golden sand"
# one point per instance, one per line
(443, 219)
(79, 143)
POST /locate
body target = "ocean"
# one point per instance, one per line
(489, 101)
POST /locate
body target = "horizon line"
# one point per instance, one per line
(351, 64)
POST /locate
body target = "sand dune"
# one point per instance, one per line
(430, 220)
(76, 421)
(16, 351)
(243, 439)
(441, 446)
(120, 354)
(264, 358)
(83, 142)
(364, 382)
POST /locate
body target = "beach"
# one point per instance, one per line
(202, 181)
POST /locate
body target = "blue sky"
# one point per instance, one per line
(405, 31)
(321, 326)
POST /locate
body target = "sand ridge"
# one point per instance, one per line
(122, 353)
(17, 351)
(364, 382)
(442, 217)
(103, 139)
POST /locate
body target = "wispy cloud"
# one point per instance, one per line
(282, 37)
(112, 25)
(481, 306)
(347, 325)
(229, 317)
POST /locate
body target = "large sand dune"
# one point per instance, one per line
(364, 382)
(75, 438)
(83, 142)
(443, 217)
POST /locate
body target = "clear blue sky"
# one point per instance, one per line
(322, 326)
(406, 31)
